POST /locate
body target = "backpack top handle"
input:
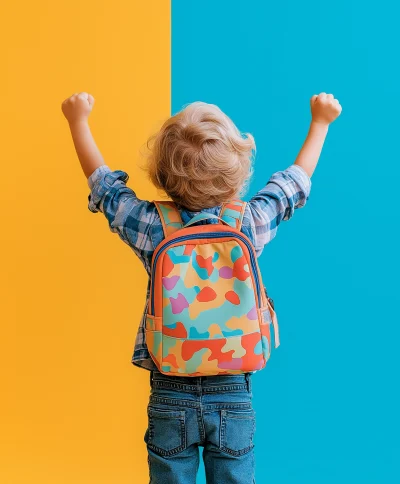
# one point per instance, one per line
(231, 214)
(204, 216)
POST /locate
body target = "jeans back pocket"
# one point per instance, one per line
(237, 431)
(166, 433)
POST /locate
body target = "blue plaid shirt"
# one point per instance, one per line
(138, 224)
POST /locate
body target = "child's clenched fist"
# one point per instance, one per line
(324, 108)
(78, 106)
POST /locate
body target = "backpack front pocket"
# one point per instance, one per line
(206, 357)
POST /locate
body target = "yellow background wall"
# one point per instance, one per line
(73, 407)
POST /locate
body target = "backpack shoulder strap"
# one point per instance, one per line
(232, 212)
(170, 217)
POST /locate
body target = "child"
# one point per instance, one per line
(200, 159)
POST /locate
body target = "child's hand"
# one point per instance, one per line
(77, 107)
(324, 108)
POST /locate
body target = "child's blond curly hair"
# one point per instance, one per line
(200, 158)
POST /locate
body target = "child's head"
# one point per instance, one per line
(199, 157)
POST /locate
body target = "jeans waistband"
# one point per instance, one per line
(208, 384)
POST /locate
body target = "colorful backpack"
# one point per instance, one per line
(208, 313)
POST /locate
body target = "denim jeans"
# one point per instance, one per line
(214, 412)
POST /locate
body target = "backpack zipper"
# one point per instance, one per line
(206, 236)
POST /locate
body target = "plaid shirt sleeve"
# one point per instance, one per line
(127, 215)
(285, 191)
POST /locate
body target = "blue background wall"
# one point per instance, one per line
(328, 403)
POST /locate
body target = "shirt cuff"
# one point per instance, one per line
(97, 174)
(300, 176)
(100, 182)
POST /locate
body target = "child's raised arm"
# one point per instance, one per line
(76, 109)
(289, 189)
(127, 215)
(324, 110)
